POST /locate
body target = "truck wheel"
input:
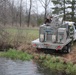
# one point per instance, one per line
(38, 49)
(67, 48)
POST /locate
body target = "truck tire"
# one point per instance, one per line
(67, 48)
(38, 49)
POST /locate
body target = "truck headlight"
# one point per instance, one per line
(53, 38)
(41, 37)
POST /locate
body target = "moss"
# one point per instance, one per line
(56, 63)
(15, 54)
(71, 68)
(48, 56)
(42, 57)
(60, 66)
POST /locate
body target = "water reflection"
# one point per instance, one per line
(10, 67)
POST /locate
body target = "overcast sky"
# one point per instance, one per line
(40, 7)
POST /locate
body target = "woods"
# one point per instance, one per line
(19, 27)
(33, 13)
(30, 13)
(67, 7)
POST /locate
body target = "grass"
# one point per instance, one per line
(14, 31)
(22, 35)
(51, 62)
(48, 61)
(56, 64)
(15, 54)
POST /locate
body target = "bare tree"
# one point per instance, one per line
(45, 4)
(26, 6)
(4, 12)
(37, 12)
(64, 10)
(34, 15)
(12, 12)
(26, 13)
(20, 12)
(29, 15)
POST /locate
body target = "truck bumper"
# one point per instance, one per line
(49, 45)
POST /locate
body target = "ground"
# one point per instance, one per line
(29, 35)
(66, 57)
(72, 55)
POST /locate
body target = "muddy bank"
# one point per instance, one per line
(70, 57)
(50, 62)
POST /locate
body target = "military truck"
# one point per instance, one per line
(57, 35)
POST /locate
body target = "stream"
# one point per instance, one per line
(18, 67)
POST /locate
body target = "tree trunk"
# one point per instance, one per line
(45, 14)
(20, 13)
(73, 3)
(12, 12)
(45, 10)
(64, 9)
(4, 12)
(29, 13)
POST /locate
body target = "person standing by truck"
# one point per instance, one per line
(48, 20)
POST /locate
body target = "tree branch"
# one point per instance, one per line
(42, 3)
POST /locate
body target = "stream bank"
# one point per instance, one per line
(53, 63)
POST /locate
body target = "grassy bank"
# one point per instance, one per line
(56, 64)
(14, 54)
(48, 61)
(18, 37)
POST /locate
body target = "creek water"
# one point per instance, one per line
(18, 67)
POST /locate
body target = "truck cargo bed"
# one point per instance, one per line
(48, 45)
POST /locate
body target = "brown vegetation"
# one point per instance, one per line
(71, 56)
